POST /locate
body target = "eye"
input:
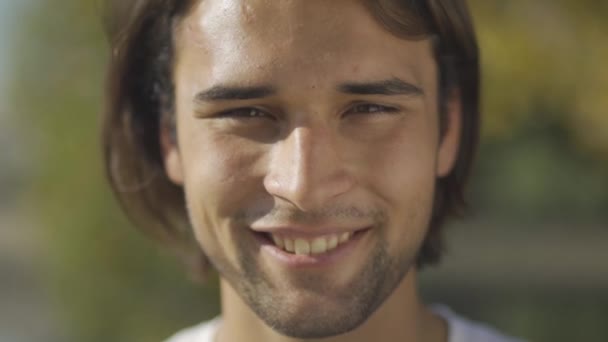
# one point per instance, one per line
(370, 108)
(246, 113)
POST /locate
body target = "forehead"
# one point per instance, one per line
(269, 39)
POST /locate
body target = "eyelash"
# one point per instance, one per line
(372, 108)
(246, 113)
(252, 113)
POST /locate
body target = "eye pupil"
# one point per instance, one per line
(368, 108)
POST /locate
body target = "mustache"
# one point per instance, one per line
(293, 215)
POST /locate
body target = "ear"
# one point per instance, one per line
(171, 157)
(450, 139)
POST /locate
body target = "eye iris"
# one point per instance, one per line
(368, 108)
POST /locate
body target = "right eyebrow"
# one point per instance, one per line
(226, 93)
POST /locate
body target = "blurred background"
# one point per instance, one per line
(532, 259)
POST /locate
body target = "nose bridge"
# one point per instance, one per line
(300, 148)
(306, 168)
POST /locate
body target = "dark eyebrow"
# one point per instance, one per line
(223, 93)
(393, 86)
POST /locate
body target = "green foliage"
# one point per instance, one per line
(549, 55)
(544, 124)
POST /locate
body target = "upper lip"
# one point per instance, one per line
(307, 231)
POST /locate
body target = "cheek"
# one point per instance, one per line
(404, 163)
(216, 165)
(220, 176)
(403, 176)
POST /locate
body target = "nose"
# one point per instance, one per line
(308, 169)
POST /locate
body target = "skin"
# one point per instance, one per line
(311, 156)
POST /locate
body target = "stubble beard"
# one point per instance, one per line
(350, 307)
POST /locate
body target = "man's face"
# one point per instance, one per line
(302, 121)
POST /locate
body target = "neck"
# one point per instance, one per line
(402, 317)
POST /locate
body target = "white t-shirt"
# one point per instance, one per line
(460, 329)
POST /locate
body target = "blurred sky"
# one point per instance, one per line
(20, 292)
(9, 16)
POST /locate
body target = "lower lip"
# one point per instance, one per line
(312, 260)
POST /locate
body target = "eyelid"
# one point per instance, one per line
(232, 113)
(383, 108)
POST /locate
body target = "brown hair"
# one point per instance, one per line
(140, 95)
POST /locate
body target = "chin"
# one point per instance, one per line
(309, 309)
(316, 323)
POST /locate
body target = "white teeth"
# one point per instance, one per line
(332, 242)
(317, 245)
(278, 241)
(302, 247)
(344, 237)
(289, 246)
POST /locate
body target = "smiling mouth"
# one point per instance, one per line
(310, 246)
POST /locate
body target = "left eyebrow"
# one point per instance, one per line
(227, 93)
(393, 86)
